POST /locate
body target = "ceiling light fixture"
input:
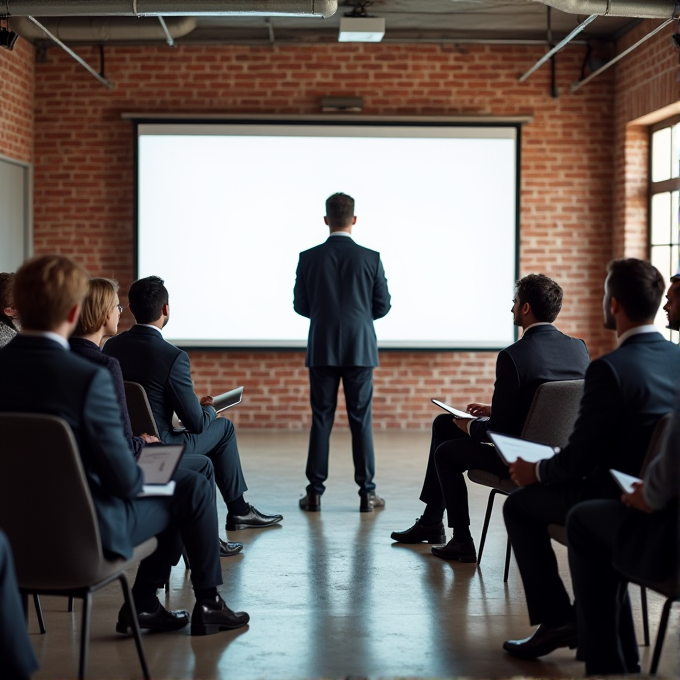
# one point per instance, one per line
(358, 26)
(7, 37)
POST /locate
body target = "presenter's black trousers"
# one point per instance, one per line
(357, 383)
(452, 452)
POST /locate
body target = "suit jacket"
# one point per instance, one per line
(625, 394)
(88, 350)
(341, 287)
(39, 376)
(165, 373)
(543, 354)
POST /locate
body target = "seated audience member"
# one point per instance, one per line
(625, 394)
(164, 372)
(543, 354)
(17, 658)
(9, 319)
(98, 319)
(46, 378)
(641, 540)
(672, 306)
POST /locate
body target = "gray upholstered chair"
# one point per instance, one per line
(550, 421)
(139, 410)
(41, 477)
(558, 534)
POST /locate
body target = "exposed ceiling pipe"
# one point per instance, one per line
(104, 29)
(641, 9)
(54, 8)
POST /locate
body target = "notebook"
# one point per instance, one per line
(221, 403)
(456, 413)
(512, 448)
(158, 464)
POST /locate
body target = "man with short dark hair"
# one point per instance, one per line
(164, 372)
(543, 354)
(672, 306)
(47, 378)
(625, 394)
(341, 287)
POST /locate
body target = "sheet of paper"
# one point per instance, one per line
(456, 413)
(624, 481)
(512, 448)
(158, 489)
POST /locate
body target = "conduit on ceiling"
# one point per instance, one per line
(640, 9)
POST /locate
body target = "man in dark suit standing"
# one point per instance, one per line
(625, 394)
(164, 372)
(341, 288)
(45, 377)
(543, 354)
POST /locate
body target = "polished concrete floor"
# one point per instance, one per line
(330, 595)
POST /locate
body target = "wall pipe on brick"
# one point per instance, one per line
(642, 9)
(52, 8)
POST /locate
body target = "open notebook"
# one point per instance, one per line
(158, 464)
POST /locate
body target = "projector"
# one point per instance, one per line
(361, 29)
(7, 38)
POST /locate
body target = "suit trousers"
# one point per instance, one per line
(452, 452)
(527, 512)
(606, 634)
(17, 658)
(357, 383)
(218, 443)
(189, 518)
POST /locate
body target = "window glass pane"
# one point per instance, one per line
(675, 169)
(674, 216)
(661, 155)
(661, 259)
(661, 219)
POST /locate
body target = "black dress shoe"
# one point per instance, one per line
(545, 639)
(419, 532)
(370, 501)
(253, 519)
(228, 549)
(160, 620)
(311, 502)
(463, 551)
(212, 616)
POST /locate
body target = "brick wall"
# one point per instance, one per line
(645, 81)
(84, 181)
(16, 102)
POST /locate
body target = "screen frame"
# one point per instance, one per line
(321, 121)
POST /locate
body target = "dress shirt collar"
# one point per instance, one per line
(538, 323)
(648, 328)
(340, 233)
(149, 325)
(49, 335)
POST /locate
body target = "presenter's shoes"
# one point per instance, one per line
(463, 551)
(228, 549)
(419, 532)
(311, 502)
(370, 501)
(159, 620)
(212, 616)
(545, 639)
(253, 519)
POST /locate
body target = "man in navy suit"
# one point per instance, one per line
(45, 377)
(341, 287)
(625, 393)
(543, 354)
(164, 372)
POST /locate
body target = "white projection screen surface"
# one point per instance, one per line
(225, 209)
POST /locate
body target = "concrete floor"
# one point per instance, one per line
(330, 595)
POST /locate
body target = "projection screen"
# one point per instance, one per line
(223, 211)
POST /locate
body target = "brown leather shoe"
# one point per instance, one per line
(463, 551)
(212, 616)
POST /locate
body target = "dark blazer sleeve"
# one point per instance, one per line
(180, 392)
(300, 300)
(600, 404)
(381, 294)
(109, 452)
(504, 403)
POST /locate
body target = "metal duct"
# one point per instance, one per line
(104, 29)
(641, 9)
(62, 8)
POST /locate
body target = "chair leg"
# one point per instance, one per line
(24, 604)
(645, 615)
(85, 635)
(70, 604)
(485, 528)
(127, 595)
(660, 635)
(39, 613)
(508, 551)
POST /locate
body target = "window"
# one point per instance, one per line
(664, 189)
